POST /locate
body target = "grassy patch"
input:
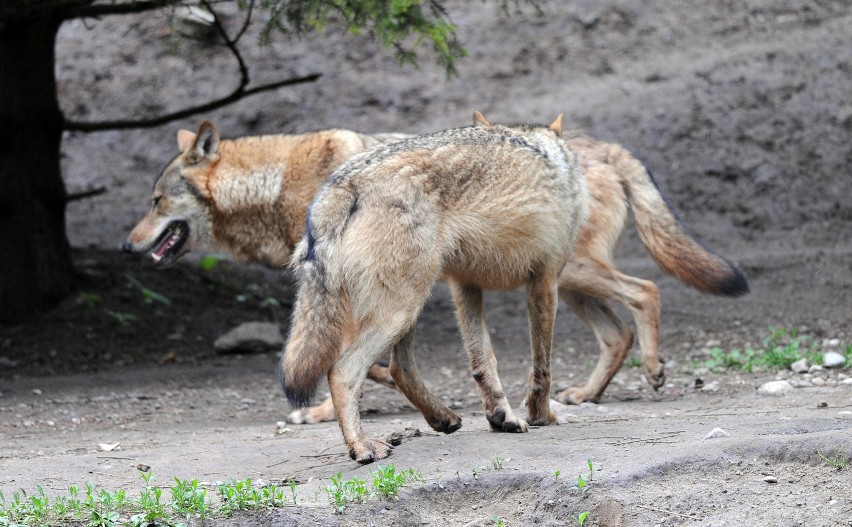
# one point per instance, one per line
(387, 483)
(185, 503)
(780, 349)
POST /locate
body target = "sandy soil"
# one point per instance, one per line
(743, 113)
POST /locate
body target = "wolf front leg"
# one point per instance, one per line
(541, 306)
(483, 364)
(407, 378)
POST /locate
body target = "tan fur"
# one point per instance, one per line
(484, 208)
(246, 197)
(616, 182)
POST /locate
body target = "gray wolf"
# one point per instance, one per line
(487, 207)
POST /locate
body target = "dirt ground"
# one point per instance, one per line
(742, 110)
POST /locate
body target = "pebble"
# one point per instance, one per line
(847, 381)
(711, 387)
(800, 366)
(775, 388)
(814, 368)
(818, 381)
(716, 432)
(770, 479)
(832, 359)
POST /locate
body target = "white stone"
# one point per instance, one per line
(250, 337)
(800, 366)
(832, 359)
(847, 381)
(716, 432)
(775, 388)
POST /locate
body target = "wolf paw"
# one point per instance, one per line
(370, 450)
(655, 373)
(500, 422)
(303, 416)
(575, 396)
(549, 418)
(447, 423)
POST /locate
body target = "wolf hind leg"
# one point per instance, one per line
(404, 371)
(614, 339)
(483, 363)
(641, 297)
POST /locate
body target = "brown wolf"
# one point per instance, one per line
(482, 207)
(219, 193)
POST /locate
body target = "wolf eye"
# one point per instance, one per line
(155, 201)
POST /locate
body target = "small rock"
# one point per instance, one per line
(815, 368)
(818, 381)
(716, 432)
(800, 366)
(250, 337)
(832, 359)
(822, 404)
(775, 388)
(711, 387)
(770, 479)
(36, 391)
(847, 381)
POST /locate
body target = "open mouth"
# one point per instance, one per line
(168, 246)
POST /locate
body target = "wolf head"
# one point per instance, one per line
(179, 219)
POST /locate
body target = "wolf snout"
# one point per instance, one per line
(127, 247)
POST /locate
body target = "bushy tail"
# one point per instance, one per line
(320, 311)
(316, 332)
(674, 250)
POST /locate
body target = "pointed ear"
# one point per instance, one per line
(206, 144)
(185, 138)
(480, 120)
(556, 125)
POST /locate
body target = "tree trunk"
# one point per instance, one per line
(35, 257)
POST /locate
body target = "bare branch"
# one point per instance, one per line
(137, 6)
(230, 44)
(236, 95)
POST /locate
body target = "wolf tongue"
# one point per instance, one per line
(158, 254)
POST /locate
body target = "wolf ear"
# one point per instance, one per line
(205, 144)
(556, 125)
(480, 120)
(185, 138)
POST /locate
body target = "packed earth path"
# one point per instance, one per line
(741, 110)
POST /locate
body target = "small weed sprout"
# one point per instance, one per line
(581, 518)
(124, 319)
(556, 474)
(149, 296)
(497, 521)
(387, 482)
(189, 499)
(839, 461)
(292, 485)
(343, 492)
(497, 462)
(591, 469)
(581, 484)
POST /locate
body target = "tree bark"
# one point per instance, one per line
(35, 257)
